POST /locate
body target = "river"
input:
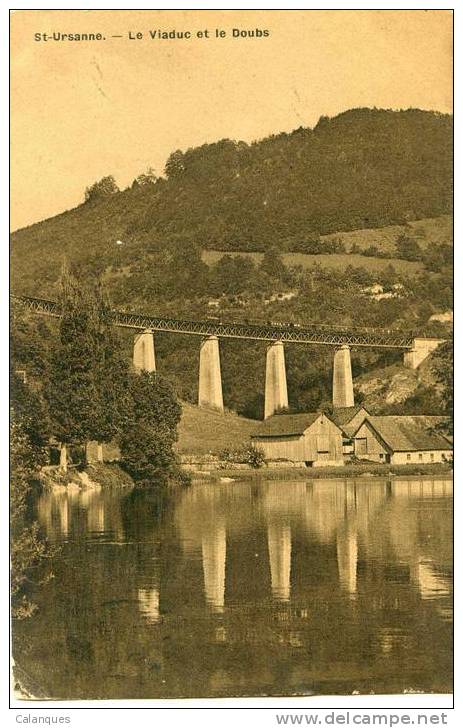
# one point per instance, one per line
(245, 589)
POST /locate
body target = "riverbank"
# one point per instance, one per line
(96, 476)
(93, 477)
(357, 470)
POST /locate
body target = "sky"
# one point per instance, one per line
(83, 110)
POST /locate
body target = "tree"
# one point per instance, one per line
(150, 429)
(423, 400)
(111, 373)
(146, 178)
(438, 257)
(442, 366)
(272, 264)
(105, 187)
(175, 164)
(72, 388)
(310, 244)
(389, 275)
(30, 409)
(87, 387)
(407, 248)
(30, 338)
(234, 275)
(28, 436)
(181, 270)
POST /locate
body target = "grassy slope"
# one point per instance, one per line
(206, 431)
(336, 260)
(427, 231)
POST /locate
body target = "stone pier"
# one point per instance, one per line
(420, 350)
(143, 352)
(210, 379)
(343, 390)
(276, 391)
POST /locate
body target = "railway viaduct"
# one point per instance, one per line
(415, 349)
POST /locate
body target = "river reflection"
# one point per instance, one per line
(249, 588)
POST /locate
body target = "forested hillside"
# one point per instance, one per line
(365, 168)
(347, 223)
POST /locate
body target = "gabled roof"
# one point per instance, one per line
(408, 432)
(343, 415)
(281, 425)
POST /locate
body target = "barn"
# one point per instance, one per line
(349, 419)
(401, 439)
(311, 439)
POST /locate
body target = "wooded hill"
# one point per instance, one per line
(365, 168)
(347, 224)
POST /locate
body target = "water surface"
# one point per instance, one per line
(271, 588)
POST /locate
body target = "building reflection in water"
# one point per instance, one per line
(430, 583)
(425, 546)
(75, 512)
(63, 505)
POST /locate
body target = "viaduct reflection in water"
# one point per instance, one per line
(327, 513)
(208, 515)
(250, 588)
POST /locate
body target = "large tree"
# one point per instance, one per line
(88, 379)
(272, 264)
(150, 429)
(111, 372)
(73, 388)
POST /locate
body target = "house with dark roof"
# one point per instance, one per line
(401, 439)
(311, 439)
(349, 419)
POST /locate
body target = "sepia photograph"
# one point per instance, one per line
(231, 354)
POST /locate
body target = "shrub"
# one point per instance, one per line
(247, 454)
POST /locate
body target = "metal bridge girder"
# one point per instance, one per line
(264, 332)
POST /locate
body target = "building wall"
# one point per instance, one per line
(281, 448)
(321, 442)
(373, 450)
(376, 452)
(356, 420)
(427, 456)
